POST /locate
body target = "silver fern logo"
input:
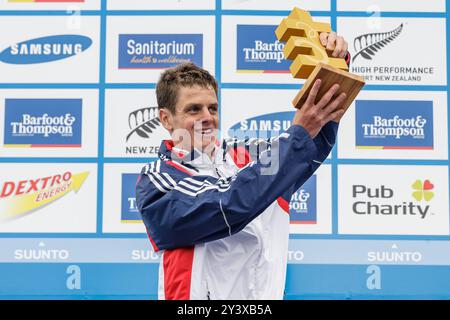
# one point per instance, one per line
(367, 45)
(143, 122)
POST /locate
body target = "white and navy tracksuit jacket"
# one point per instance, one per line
(223, 229)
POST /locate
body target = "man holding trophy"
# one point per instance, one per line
(216, 215)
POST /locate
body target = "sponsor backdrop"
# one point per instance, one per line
(78, 120)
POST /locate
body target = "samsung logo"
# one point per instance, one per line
(45, 49)
(263, 126)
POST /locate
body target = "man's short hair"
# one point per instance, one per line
(183, 75)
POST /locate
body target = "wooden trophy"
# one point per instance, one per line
(312, 61)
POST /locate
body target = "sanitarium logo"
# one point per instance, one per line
(159, 51)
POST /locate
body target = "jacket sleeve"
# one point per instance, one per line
(326, 139)
(324, 142)
(191, 211)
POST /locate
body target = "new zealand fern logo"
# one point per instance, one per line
(143, 122)
(367, 45)
(422, 190)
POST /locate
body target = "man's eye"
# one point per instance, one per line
(213, 109)
(193, 110)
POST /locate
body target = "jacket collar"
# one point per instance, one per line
(194, 158)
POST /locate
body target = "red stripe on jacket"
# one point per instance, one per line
(177, 265)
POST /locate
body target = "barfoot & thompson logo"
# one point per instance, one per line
(383, 201)
(159, 51)
(303, 205)
(18, 198)
(394, 124)
(259, 51)
(45, 49)
(43, 123)
(129, 212)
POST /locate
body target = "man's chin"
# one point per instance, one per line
(207, 144)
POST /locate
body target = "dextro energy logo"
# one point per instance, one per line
(159, 51)
(303, 205)
(42, 123)
(18, 198)
(130, 212)
(258, 50)
(45, 49)
(386, 124)
(383, 201)
(264, 126)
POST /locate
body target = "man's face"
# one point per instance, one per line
(196, 119)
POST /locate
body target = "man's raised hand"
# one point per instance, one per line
(313, 116)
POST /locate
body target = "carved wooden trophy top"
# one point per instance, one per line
(311, 60)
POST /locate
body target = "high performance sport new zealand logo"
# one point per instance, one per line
(142, 122)
(367, 45)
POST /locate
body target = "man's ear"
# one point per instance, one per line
(166, 119)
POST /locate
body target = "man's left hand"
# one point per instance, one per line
(331, 41)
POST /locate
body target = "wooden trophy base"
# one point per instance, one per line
(349, 83)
